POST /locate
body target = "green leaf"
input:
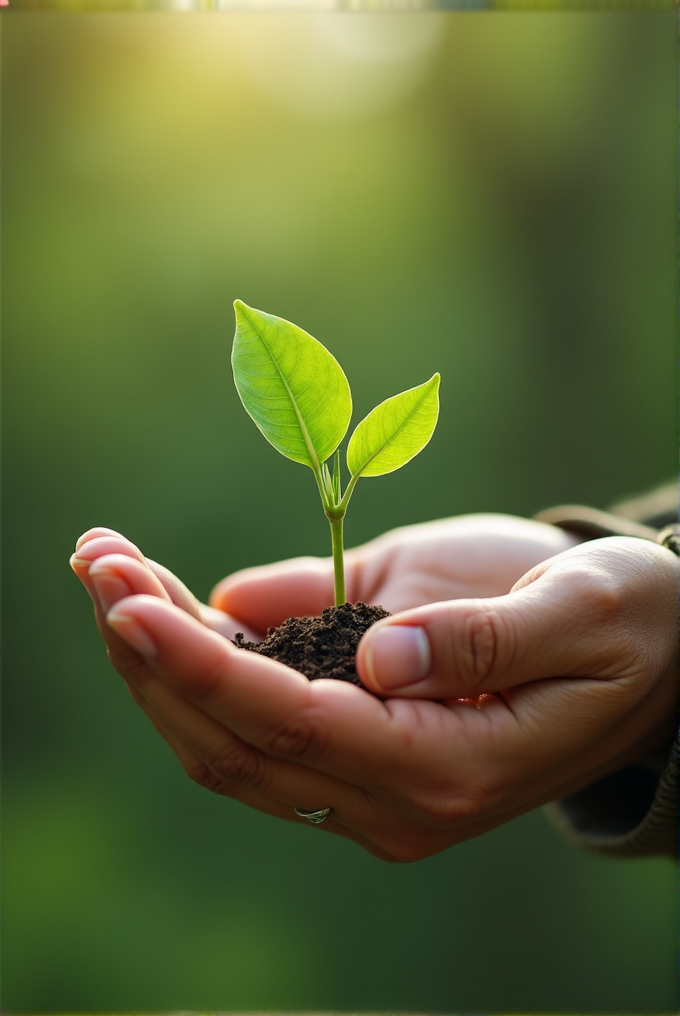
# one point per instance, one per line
(291, 386)
(395, 431)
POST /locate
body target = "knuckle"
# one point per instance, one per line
(208, 779)
(128, 665)
(207, 682)
(302, 739)
(240, 765)
(608, 597)
(447, 811)
(601, 589)
(487, 647)
(482, 646)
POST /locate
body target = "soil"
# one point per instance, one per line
(323, 646)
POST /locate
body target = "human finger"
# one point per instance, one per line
(99, 543)
(267, 595)
(98, 546)
(131, 572)
(111, 568)
(115, 576)
(222, 623)
(463, 648)
(576, 614)
(92, 534)
(226, 625)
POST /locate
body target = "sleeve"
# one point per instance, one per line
(632, 812)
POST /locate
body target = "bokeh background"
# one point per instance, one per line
(488, 195)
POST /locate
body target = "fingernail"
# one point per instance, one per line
(100, 531)
(133, 633)
(109, 586)
(79, 562)
(398, 655)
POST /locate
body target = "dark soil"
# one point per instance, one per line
(323, 646)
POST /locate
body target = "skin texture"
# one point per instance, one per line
(547, 665)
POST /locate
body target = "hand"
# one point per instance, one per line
(408, 777)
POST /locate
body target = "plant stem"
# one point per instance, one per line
(338, 562)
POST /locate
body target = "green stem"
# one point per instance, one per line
(338, 562)
(318, 476)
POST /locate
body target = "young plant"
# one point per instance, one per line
(298, 395)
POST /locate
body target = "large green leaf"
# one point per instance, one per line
(395, 431)
(291, 386)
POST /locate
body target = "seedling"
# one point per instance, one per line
(299, 397)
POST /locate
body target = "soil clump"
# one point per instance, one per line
(323, 646)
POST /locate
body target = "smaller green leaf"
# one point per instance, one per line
(395, 431)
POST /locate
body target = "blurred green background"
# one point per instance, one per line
(488, 195)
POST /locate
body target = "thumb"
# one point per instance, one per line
(464, 648)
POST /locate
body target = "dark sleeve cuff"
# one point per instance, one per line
(630, 813)
(592, 524)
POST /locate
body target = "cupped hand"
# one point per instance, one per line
(540, 690)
